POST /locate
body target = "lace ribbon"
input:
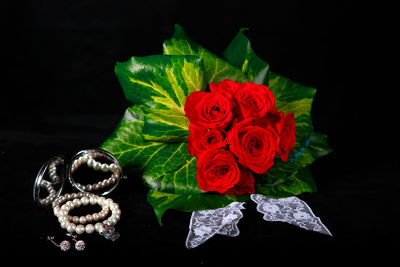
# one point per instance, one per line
(206, 223)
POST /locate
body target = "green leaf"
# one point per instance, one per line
(165, 167)
(161, 84)
(291, 96)
(299, 182)
(319, 146)
(241, 55)
(284, 176)
(161, 202)
(215, 69)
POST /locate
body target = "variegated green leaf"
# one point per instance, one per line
(215, 69)
(161, 84)
(292, 177)
(299, 182)
(166, 167)
(162, 201)
(241, 55)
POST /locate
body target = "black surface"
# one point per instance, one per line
(60, 95)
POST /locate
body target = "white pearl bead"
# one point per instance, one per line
(82, 220)
(71, 227)
(97, 166)
(89, 228)
(116, 212)
(70, 204)
(99, 227)
(80, 229)
(104, 167)
(112, 220)
(90, 162)
(114, 206)
(77, 202)
(109, 201)
(64, 224)
(93, 200)
(62, 219)
(101, 201)
(85, 201)
(113, 167)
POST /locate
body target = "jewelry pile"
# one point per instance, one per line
(51, 177)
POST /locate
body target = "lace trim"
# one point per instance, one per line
(289, 210)
(206, 223)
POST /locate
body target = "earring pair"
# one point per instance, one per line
(65, 245)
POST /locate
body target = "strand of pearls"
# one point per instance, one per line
(79, 199)
(89, 159)
(51, 193)
(53, 171)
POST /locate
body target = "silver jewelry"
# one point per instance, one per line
(65, 245)
(80, 245)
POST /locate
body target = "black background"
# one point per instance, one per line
(59, 95)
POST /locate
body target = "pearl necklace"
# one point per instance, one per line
(88, 158)
(104, 228)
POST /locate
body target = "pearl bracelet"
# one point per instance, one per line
(76, 198)
(105, 228)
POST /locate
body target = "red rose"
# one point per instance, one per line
(208, 109)
(226, 87)
(217, 171)
(245, 184)
(252, 100)
(201, 139)
(256, 142)
(287, 136)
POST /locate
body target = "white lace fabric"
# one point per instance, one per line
(206, 223)
(289, 210)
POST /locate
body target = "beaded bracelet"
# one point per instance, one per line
(104, 228)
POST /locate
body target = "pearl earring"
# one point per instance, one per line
(65, 245)
(80, 245)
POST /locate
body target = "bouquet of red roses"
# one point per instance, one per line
(235, 130)
(205, 131)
